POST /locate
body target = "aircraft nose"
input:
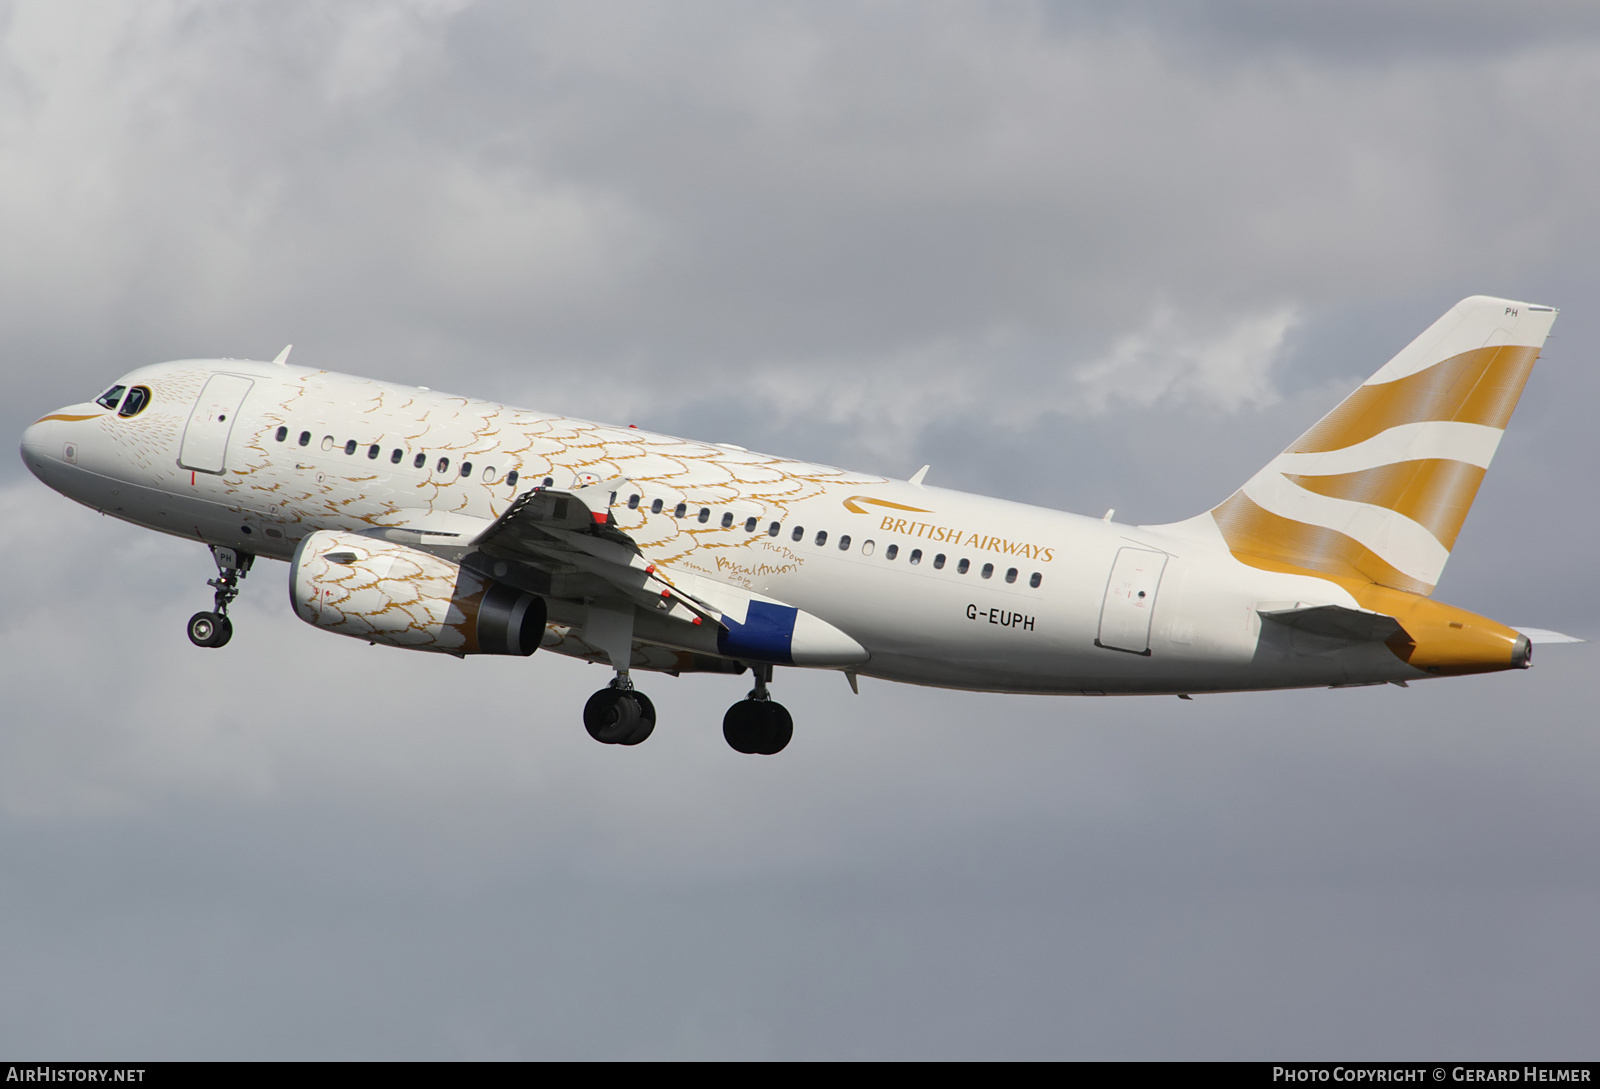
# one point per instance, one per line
(33, 442)
(45, 444)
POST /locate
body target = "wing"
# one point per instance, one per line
(572, 541)
(567, 533)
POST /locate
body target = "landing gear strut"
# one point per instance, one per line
(214, 629)
(756, 724)
(618, 714)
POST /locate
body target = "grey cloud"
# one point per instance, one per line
(875, 236)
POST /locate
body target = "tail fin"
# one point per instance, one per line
(1378, 489)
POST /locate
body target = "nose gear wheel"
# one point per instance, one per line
(210, 629)
(214, 629)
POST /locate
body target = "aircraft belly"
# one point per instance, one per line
(1081, 675)
(171, 511)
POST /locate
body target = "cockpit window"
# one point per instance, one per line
(111, 396)
(134, 403)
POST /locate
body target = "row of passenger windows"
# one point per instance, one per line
(868, 547)
(488, 475)
(796, 534)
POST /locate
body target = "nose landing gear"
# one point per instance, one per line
(214, 629)
(757, 724)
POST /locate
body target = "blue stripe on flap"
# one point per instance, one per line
(765, 636)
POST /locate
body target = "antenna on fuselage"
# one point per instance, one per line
(283, 356)
(916, 478)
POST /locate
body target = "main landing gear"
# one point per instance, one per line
(619, 714)
(756, 724)
(214, 629)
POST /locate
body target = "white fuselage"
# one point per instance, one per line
(940, 587)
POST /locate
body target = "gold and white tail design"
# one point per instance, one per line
(1378, 489)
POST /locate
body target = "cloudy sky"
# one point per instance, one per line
(1084, 255)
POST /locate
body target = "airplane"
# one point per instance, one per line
(423, 520)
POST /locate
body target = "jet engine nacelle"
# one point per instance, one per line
(402, 597)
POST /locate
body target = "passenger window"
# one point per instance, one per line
(350, 447)
(511, 479)
(283, 433)
(750, 525)
(938, 562)
(111, 396)
(988, 570)
(844, 543)
(772, 530)
(798, 534)
(915, 557)
(488, 474)
(394, 458)
(633, 502)
(327, 442)
(373, 451)
(964, 566)
(655, 506)
(680, 510)
(466, 468)
(444, 465)
(1035, 580)
(1011, 575)
(866, 548)
(418, 461)
(727, 519)
(305, 438)
(549, 481)
(891, 552)
(705, 514)
(822, 537)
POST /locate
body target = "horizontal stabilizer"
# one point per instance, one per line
(1544, 635)
(1338, 622)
